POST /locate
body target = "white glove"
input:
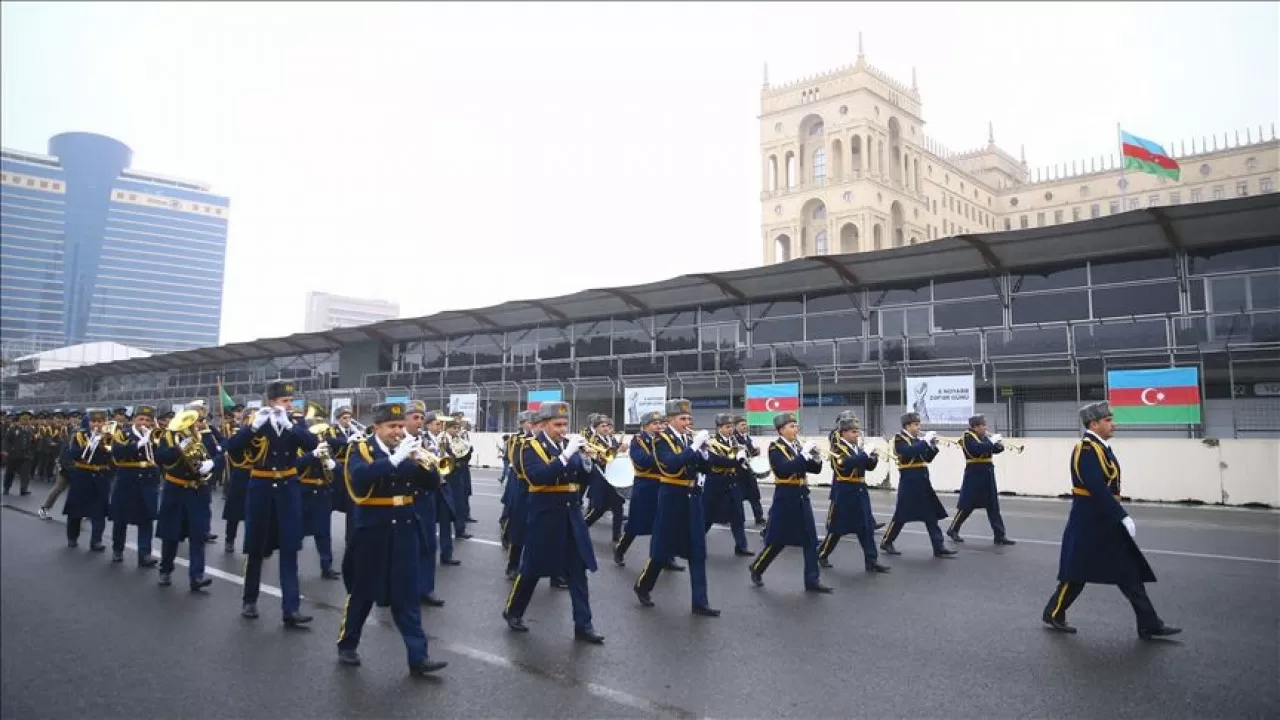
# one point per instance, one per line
(740, 455)
(260, 419)
(997, 438)
(206, 467)
(700, 439)
(320, 451)
(930, 436)
(808, 447)
(184, 443)
(576, 443)
(142, 444)
(404, 450)
(330, 464)
(1128, 525)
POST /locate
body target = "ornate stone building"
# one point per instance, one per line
(847, 167)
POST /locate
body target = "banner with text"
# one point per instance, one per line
(537, 397)
(641, 400)
(941, 399)
(465, 403)
(335, 405)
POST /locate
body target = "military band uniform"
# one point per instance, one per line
(516, 494)
(89, 493)
(186, 503)
(746, 476)
(240, 464)
(679, 527)
(460, 481)
(603, 497)
(273, 503)
(1098, 544)
(791, 513)
(135, 499)
(557, 542)
(644, 492)
(445, 509)
(722, 494)
(426, 501)
(19, 452)
(850, 510)
(978, 490)
(315, 477)
(388, 543)
(917, 501)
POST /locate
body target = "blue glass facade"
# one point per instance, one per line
(103, 252)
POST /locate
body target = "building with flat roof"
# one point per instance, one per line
(326, 311)
(1037, 316)
(848, 167)
(89, 244)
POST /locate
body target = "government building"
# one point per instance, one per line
(847, 167)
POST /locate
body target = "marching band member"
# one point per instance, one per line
(559, 544)
(88, 494)
(791, 513)
(446, 510)
(47, 446)
(316, 471)
(917, 501)
(644, 493)
(518, 508)
(186, 502)
(601, 496)
(511, 445)
(978, 490)
(382, 474)
(747, 478)
(239, 465)
(850, 511)
(464, 466)
(135, 498)
(218, 439)
(426, 504)
(350, 434)
(273, 515)
(835, 435)
(1098, 544)
(679, 527)
(60, 472)
(722, 496)
(460, 478)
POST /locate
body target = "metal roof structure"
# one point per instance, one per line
(1150, 231)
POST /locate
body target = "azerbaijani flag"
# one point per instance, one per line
(765, 401)
(537, 397)
(1148, 157)
(1168, 396)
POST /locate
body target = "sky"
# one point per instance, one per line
(459, 156)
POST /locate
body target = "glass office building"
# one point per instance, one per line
(94, 250)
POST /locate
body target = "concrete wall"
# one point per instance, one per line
(1228, 472)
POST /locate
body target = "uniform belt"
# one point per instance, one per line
(273, 474)
(977, 461)
(789, 481)
(92, 468)
(724, 471)
(675, 481)
(313, 481)
(851, 479)
(648, 475)
(913, 466)
(394, 501)
(571, 487)
(182, 483)
(1084, 492)
(134, 465)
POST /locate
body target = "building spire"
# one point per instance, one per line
(991, 133)
(766, 74)
(914, 85)
(1023, 152)
(861, 55)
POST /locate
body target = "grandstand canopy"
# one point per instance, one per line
(1189, 228)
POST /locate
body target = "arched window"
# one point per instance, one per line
(820, 243)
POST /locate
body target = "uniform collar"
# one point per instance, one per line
(1092, 434)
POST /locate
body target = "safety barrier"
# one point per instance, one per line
(1220, 472)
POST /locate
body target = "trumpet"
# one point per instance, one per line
(818, 454)
(357, 426)
(950, 442)
(1014, 447)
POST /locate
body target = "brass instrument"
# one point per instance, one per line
(183, 426)
(320, 430)
(358, 427)
(430, 461)
(107, 431)
(1013, 447)
(314, 410)
(457, 445)
(598, 454)
(950, 442)
(818, 453)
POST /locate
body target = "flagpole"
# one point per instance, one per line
(1124, 185)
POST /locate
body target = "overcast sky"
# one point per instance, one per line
(455, 156)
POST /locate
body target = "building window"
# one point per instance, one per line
(1095, 210)
(1197, 195)
(1133, 203)
(1008, 225)
(820, 242)
(1113, 207)
(1084, 191)
(119, 196)
(820, 212)
(816, 129)
(1264, 185)
(44, 184)
(1175, 197)
(1040, 219)
(57, 186)
(1075, 214)
(132, 197)
(1022, 222)
(819, 165)
(1218, 192)
(1057, 217)
(1242, 188)
(1153, 201)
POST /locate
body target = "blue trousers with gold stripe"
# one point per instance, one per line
(407, 616)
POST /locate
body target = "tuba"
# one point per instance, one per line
(183, 425)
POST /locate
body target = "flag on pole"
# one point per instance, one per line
(766, 401)
(1148, 157)
(537, 397)
(224, 399)
(1167, 396)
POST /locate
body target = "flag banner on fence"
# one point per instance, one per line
(641, 400)
(537, 397)
(337, 404)
(766, 401)
(941, 399)
(1167, 396)
(402, 399)
(465, 403)
(1145, 156)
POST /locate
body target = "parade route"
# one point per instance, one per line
(955, 638)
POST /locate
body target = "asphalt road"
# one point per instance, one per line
(82, 637)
